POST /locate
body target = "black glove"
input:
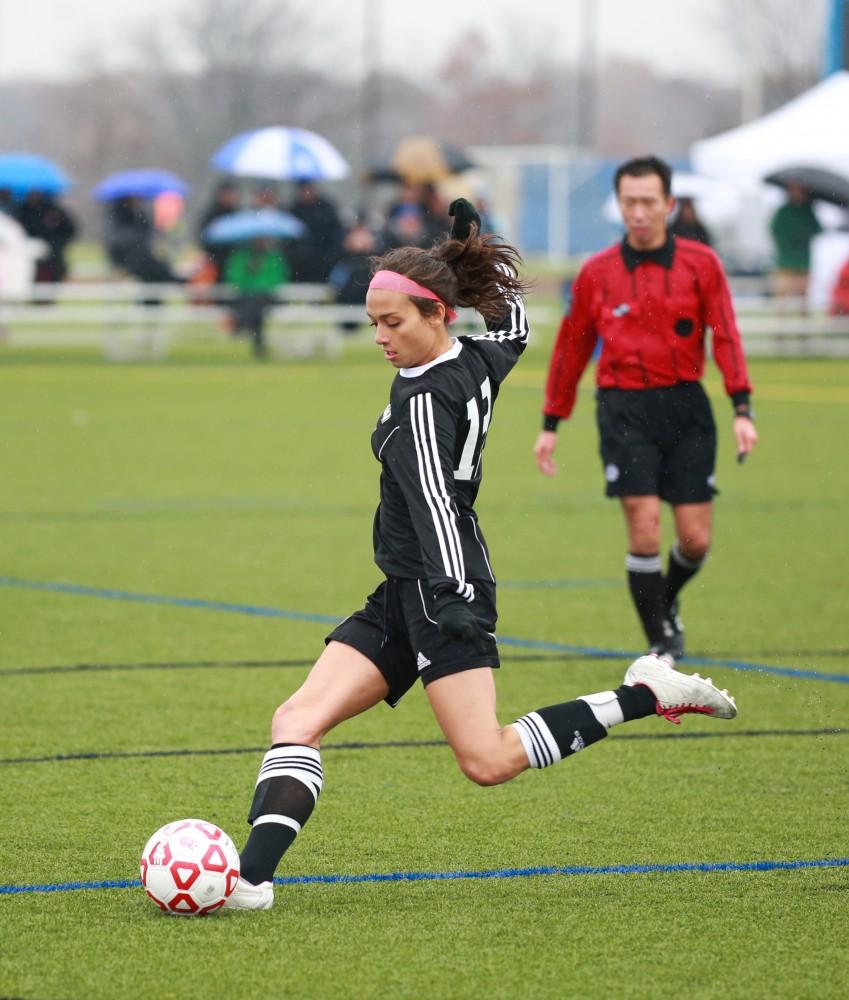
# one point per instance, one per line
(464, 215)
(457, 621)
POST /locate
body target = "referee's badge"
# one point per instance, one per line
(387, 413)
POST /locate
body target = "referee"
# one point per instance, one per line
(649, 300)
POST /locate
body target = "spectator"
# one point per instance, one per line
(433, 210)
(405, 227)
(256, 270)
(414, 218)
(265, 196)
(225, 201)
(129, 241)
(43, 218)
(351, 273)
(319, 249)
(793, 227)
(688, 225)
(7, 202)
(839, 305)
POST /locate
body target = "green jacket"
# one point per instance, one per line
(793, 227)
(253, 271)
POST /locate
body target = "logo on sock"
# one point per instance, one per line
(422, 661)
(578, 743)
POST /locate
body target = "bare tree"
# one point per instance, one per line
(220, 69)
(779, 46)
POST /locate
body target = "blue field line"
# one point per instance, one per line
(197, 603)
(590, 652)
(492, 873)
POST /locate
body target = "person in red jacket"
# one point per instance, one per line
(649, 301)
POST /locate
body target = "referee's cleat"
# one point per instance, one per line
(673, 629)
(662, 653)
(679, 694)
(247, 896)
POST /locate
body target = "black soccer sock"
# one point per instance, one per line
(645, 581)
(559, 731)
(550, 734)
(636, 702)
(287, 788)
(680, 569)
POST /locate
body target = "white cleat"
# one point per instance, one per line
(678, 694)
(250, 897)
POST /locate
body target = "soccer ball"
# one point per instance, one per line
(189, 867)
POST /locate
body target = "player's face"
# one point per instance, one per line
(645, 210)
(406, 337)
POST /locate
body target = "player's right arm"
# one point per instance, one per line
(573, 349)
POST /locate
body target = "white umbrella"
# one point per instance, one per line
(281, 153)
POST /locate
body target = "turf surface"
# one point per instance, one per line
(174, 538)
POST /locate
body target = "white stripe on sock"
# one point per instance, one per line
(537, 740)
(643, 564)
(300, 762)
(682, 560)
(277, 818)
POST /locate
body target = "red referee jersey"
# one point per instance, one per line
(650, 311)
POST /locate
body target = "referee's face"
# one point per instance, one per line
(406, 337)
(645, 210)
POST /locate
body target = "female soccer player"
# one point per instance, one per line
(434, 615)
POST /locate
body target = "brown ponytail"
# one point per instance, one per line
(478, 272)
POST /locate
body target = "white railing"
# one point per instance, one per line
(131, 320)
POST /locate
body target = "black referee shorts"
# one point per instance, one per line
(396, 630)
(658, 442)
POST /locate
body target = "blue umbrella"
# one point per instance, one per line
(138, 184)
(23, 172)
(281, 153)
(253, 224)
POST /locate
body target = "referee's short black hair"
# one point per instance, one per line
(644, 166)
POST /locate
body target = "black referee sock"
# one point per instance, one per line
(287, 788)
(680, 569)
(645, 581)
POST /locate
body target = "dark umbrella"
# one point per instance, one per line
(421, 159)
(821, 185)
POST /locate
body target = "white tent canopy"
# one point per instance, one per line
(810, 130)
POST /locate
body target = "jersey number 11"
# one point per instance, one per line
(476, 438)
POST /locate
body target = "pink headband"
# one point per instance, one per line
(391, 281)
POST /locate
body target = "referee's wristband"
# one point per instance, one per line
(741, 401)
(550, 422)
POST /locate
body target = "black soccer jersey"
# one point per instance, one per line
(430, 441)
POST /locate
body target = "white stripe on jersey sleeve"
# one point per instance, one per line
(436, 496)
(517, 327)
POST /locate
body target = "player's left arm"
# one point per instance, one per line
(728, 353)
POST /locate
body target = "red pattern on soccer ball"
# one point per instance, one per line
(189, 867)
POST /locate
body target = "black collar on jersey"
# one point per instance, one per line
(663, 255)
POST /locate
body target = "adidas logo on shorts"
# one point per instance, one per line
(422, 661)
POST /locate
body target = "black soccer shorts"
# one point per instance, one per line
(658, 442)
(396, 630)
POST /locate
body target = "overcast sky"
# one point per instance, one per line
(47, 37)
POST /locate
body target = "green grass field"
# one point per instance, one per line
(184, 530)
